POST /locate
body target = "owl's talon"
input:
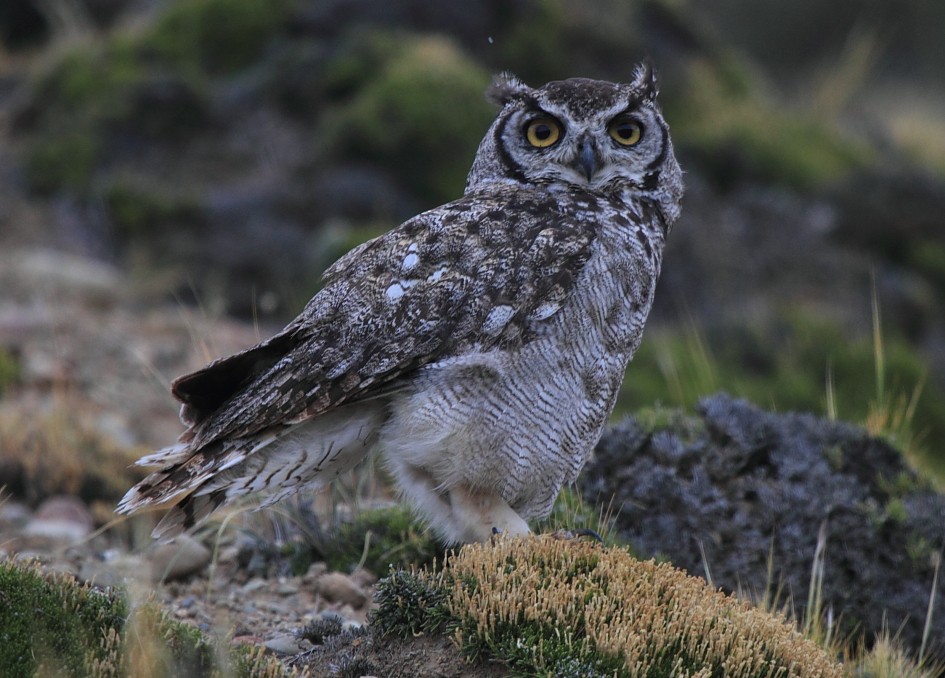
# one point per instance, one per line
(496, 535)
(577, 534)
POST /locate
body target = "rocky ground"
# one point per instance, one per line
(756, 501)
(221, 592)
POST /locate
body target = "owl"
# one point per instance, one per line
(480, 345)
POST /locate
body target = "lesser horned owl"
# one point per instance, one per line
(481, 344)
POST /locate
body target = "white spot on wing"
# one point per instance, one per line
(397, 289)
(437, 274)
(410, 262)
(543, 311)
(497, 319)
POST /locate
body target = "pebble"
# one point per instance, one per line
(254, 584)
(284, 643)
(13, 514)
(115, 571)
(62, 519)
(287, 589)
(338, 587)
(179, 558)
(363, 578)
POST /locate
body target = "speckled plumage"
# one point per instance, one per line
(480, 344)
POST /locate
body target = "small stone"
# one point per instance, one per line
(229, 554)
(284, 643)
(287, 589)
(337, 587)
(65, 519)
(14, 514)
(276, 608)
(179, 558)
(254, 584)
(364, 578)
(315, 570)
(116, 571)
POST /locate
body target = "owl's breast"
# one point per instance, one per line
(614, 294)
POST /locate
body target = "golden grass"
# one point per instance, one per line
(51, 446)
(651, 618)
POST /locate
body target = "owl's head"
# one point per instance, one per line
(587, 134)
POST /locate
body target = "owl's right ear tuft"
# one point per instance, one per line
(504, 88)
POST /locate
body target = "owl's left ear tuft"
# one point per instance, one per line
(644, 81)
(504, 88)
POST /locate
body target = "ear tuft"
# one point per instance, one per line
(644, 80)
(504, 88)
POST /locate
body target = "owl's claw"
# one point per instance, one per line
(576, 534)
(496, 535)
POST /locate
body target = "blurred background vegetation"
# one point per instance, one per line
(223, 152)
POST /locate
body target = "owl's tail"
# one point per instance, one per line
(276, 462)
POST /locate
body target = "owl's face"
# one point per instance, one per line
(579, 133)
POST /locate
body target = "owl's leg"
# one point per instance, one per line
(456, 513)
(477, 515)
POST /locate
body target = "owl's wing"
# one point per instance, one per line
(465, 276)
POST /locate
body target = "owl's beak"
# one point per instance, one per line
(588, 159)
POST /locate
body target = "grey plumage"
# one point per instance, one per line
(480, 344)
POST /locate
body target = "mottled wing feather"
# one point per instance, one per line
(454, 279)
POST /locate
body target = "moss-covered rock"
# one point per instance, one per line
(723, 122)
(216, 36)
(138, 213)
(421, 115)
(754, 495)
(797, 364)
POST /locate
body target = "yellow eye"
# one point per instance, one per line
(543, 132)
(625, 131)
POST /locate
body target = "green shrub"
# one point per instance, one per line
(9, 370)
(67, 160)
(88, 81)
(392, 537)
(421, 116)
(724, 122)
(51, 625)
(216, 36)
(138, 212)
(48, 621)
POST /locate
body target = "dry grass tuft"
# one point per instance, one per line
(571, 607)
(52, 446)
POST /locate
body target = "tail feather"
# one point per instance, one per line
(203, 392)
(183, 471)
(190, 512)
(277, 462)
(166, 456)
